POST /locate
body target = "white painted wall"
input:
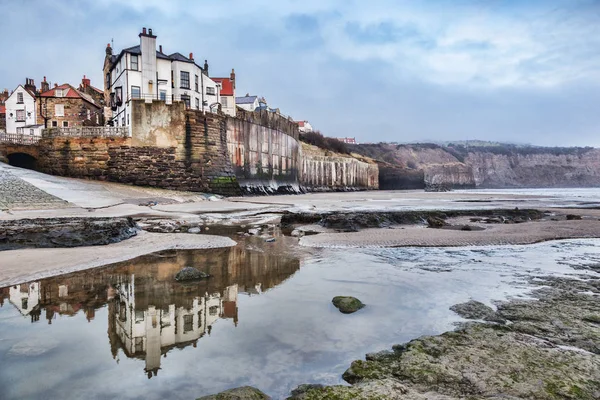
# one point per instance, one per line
(12, 106)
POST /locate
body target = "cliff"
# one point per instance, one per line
(419, 165)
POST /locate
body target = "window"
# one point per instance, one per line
(31, 131)
(58, 93)
(135, 92)
(20, 115)
(224, 101)
(184, 78)
(54, 124)
(119, 96)
(65, 124)
(214, 310)
(210, 90)
(186, 99)
(123, 121)
(59, 110)
(134, 63)
(163, 95)
(196, 83)
(197, 104)
(19, 98)
(199, 319)
(188, 323)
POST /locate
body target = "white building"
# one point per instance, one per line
(248, 103)
(304, 126)
(143, 72)
(25, 297)
(21, 108)
(227, 88)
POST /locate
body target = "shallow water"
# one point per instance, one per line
(264, 318)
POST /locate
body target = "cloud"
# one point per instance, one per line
(378, 70)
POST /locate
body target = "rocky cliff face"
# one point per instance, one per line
(486, 167)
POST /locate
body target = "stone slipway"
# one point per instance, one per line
(493, 235)
(17, 266)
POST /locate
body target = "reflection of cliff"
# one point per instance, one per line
(149, 313)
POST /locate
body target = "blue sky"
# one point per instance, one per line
(389, 70)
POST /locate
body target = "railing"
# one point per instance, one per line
(16, 138)
(87, 131)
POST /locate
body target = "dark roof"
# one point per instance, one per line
(138, 51)
(245, 99)
(180, 57)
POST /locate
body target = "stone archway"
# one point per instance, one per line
(22, 160)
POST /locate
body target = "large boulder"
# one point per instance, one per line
(241, 393)
(190, 274)
(347, 304)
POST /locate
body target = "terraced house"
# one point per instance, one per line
(145, 72)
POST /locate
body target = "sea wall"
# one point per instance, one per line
(323, 171)
(262, 148)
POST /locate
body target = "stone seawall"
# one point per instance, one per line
(323, 171)
(263, 149)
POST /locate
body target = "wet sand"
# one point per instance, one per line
(493, 234)
(18, 266)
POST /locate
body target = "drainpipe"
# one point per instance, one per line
(202, 84)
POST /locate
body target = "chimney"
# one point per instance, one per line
(232, 77)
(56, 85)
(108, 50)
(192, 56)
(29, 84)
(206, 67)
(160, 48)
(45, 86)
(85, 82)
(144, 31)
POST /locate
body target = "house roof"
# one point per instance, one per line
(180, 57)
(71, 93)
(226, 86)
(30, 92)
(245, 99)
(138, 51)
(300, 123)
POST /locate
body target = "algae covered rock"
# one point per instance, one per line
(190, 274)
(241, 393)
(347, 304)
(476, 310)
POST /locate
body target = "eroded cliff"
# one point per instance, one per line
(420, 165)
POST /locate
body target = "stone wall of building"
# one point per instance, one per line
(77, 112)
(262, 147)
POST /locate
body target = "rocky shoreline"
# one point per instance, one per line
(544, 348)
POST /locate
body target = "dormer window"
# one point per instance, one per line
(59, 93)
(20, 98)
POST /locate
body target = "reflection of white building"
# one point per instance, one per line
(25, 297)
(148, 331)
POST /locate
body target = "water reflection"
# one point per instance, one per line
(149, 313)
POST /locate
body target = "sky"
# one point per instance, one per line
(379, 70)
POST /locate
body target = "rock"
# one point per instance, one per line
(347, 304)
(190, 274)
(571, 217)
(194, 230)
(64, 232)
(270, 240)
(241, 393)
(476, 310)
(435, 222)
